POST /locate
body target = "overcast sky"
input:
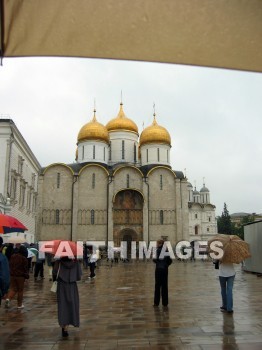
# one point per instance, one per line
(214, 116)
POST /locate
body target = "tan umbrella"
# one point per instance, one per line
(235, 249)
(212, 33)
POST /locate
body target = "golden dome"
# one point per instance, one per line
(155, 134)
(121, 122)
(93, 131)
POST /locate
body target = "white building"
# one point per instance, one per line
(19, 171)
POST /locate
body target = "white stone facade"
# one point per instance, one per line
(19, 171)
(134, 195)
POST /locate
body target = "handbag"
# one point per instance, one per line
(54, 285)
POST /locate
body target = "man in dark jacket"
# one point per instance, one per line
(161, 275)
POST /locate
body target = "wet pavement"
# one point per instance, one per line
(117, 312)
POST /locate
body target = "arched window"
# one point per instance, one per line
(161, 182)
(83, 152)
(110, 151)
(92, 217)
(123, 149)
(127, 180)
(134, 152)
(158, 155)
(161, 217)
(147, 155)
(94, 152)
(58, 180)
(93, 180)
(57, 217)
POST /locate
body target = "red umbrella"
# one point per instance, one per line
(10, 224)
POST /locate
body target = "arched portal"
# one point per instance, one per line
(128, 235)
(128, 216)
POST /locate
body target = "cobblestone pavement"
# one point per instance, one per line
(117, 312)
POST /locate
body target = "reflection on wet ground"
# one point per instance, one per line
(117, 312)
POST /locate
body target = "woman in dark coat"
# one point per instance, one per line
(19, 272)
(69, 272)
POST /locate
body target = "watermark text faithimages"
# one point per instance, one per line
(133, 250)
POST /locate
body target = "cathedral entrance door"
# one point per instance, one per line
(128, 235)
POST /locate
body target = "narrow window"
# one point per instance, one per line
(92, 217)
(158, 155)
(147, 155)
(13, 188)
(83, 152)
(209, 219)
(161, 217)
(29, 199)
(33, 179)
(110, 152)
(58, 178)
(195, 216)
(93, 180)
(207, 229)
(57, 216)
(123, 149)
(94, 152)
(104, 153)
(134, 152)
(22, 196)
(161, 182)
(127, 180)
(167, 156)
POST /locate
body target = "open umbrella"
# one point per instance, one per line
(33, 251)
(235, 249)
(16, 240)
(10, 224)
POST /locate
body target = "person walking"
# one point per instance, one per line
(68, 272)
(4, 273)
(226, 278)
(92, 264)
(161, 275)
(50, 264)
(19, 273)
(39, 268)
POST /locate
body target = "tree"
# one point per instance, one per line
(239, 230)
(224, 224)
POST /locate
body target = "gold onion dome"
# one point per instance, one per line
(121, 122)
(155, 134)
(93, 131)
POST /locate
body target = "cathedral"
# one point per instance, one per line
(121, 187)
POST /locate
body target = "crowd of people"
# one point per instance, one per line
(15, 266)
